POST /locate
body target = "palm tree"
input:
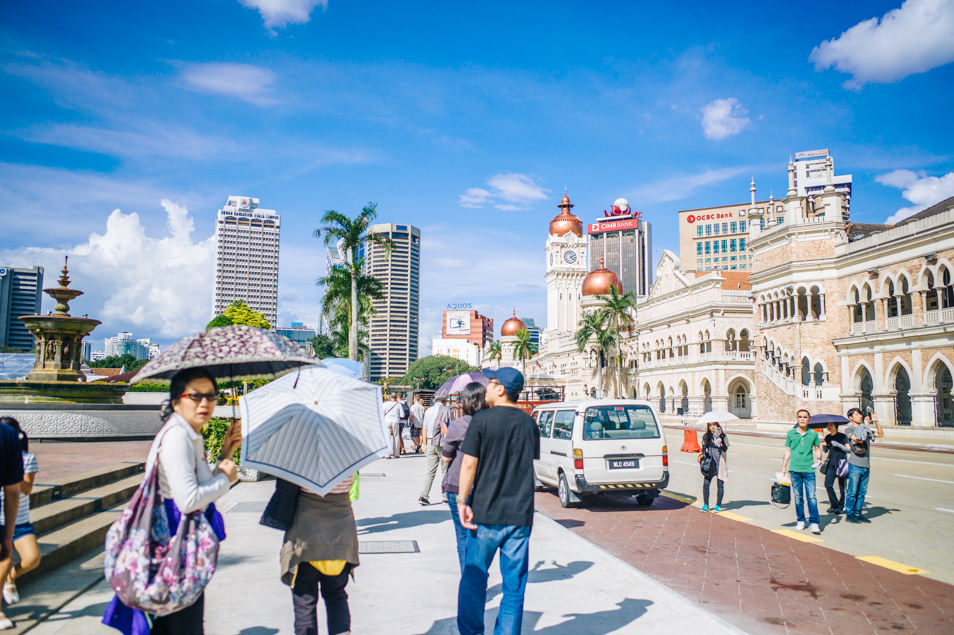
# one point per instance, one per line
(349, 235)
(494, 351)
(593, 326)
(523, 348)
(617, 309)
(336, 303)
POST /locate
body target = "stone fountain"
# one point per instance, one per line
(56, 375)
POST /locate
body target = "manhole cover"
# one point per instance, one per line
(248, 507)
(388, 546)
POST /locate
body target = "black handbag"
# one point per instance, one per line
(823, 468)
(708, 465)
(280, 511)
(781, 494)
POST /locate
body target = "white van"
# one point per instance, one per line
(611, 447)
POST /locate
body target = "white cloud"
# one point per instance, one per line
(144, 139)
(508, 192)
(919, 188)
(279, 13)
(243, 81)
(679, 187)
(723, 118)
(155, 286)
(914, 38)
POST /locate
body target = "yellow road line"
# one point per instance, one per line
(797, 535)
(894, 566)
(734, 516)
(679, 497)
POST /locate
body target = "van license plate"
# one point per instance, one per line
(623, 464)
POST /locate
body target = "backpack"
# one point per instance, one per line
(403, 413)
(148, 569)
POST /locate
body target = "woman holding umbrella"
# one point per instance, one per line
(836, 445)
(187, 483)
(714, 446)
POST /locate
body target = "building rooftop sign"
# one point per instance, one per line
(811, 154)
(612, 225)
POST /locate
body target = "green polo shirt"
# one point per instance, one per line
(802, 455)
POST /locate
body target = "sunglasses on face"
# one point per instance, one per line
(197, 397)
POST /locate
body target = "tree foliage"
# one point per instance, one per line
(593, 327)
(494, 351)
(240, 313)
(434, 370)
(523, 348)
(618, 309)
(323, 346)
(127, 361)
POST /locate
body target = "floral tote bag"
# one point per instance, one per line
(147, 568)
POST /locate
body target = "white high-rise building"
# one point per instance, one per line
(246, 257)
(815, 170)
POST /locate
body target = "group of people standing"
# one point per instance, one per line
(843, 457)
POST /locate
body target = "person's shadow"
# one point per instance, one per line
(628, 611)
(555, 572)
(402, 520)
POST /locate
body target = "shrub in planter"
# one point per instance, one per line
(214, 435)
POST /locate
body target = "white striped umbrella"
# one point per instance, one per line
(313, 428)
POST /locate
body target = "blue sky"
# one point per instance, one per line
(126, 125)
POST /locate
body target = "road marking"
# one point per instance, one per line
(734, 516)
(797, 535)
(679, 497)
(924, 478)
(888, 458)
(941, 509)
(891, 564)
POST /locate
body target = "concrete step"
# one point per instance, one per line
(55, 489)
(57, 513)
(73, 540)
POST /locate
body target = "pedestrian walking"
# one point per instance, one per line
(860, 437)
(835, 445)
(417, 421)
(404, 415)
(802, 456)
(11, 474)
(187, 483)
(495, 502)
(24, 536)
(714, 445)
(392, 420)
(319, 553)
(436, 419)
(472, 400)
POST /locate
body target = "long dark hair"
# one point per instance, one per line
(24, 439)
(472, 397)
(177, 387)
(708, 437)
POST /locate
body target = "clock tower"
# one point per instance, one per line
(566, 268)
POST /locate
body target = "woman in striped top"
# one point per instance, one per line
(24, 536)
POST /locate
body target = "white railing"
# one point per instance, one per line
(858, 328)
(907, 321)
(892, 323)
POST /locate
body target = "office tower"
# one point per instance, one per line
(20, 293)
(298, 333)
(393, 328)
(124, 344)
(533, 330)
(464, 334)
(622, 242)
(246, 257)
(814, 170)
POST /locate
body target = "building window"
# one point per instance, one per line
(699, 249)
(699, 230)
(732, 227)
(708, 230)
(732, 246)
(725, 228)
(707, 248)
(715, 246)
(724, 250)
(741, 244)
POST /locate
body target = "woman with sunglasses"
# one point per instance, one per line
(187, 483)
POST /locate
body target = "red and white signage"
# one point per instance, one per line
(612, 226)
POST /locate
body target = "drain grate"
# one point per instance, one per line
(388, 546)
(248, 507)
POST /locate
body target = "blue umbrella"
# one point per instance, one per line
(456, 384)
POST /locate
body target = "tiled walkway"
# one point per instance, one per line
(756, 579)
(69, 458)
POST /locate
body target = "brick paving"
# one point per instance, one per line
(61, 459)
(757, 580)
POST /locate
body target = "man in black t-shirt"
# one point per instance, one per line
(497, 476)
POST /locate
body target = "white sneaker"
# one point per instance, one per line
(815, 528)
(5, 623)
(800, 525)
(10, 594)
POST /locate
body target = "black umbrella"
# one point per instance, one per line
(822, 420)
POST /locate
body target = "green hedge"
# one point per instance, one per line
(214, 435)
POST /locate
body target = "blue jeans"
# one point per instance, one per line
(857, 488)
(514, 544)
(459, 529)
(806, 480)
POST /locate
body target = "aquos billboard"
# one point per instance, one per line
(457, 322)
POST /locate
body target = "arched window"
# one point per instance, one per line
(865, 388)
(943, 401)
(806, 372)
(931, 296)
(947, 288)
(817, 306)
(857, 311)
(819, 373)
(905, 297)
(708, 342)
(744, 340)
(702, 343)
(869, 306)
(892, 301)
(902, 397)
(801, 304)
(730, 343)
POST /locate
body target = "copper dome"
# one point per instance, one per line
(599, 281)
(566, 221)
(512, 326)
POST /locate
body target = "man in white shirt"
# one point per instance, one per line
(392, 420)
(417, 422)
(435, 427)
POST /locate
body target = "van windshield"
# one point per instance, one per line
(619, 422)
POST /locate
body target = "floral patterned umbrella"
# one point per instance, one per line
(233, 352)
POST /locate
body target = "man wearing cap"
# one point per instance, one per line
(495, 502)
